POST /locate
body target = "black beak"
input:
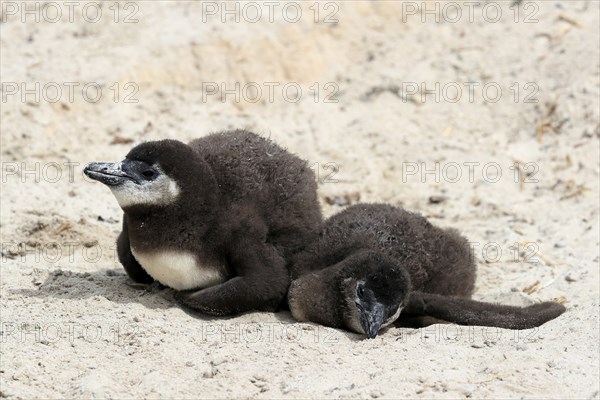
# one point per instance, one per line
(371, 320)
(111, 174)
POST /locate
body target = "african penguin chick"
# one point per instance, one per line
(217, 219)
(363, 293)
(372, 261)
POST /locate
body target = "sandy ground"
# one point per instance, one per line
(74, 327)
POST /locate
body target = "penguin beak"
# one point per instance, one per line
(111, 174)
(371, 320)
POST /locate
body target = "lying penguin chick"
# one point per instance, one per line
(438, 263)
(363, 293)
(217, 219)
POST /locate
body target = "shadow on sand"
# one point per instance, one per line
(115, 286)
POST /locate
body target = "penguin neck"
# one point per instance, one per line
(154, 227)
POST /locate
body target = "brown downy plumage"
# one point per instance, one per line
(373, 261)
(217, 219)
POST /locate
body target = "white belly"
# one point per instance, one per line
(178, 270)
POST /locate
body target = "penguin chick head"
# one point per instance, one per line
(150, 175)
(375, 294)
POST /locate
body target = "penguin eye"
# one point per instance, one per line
(360, 291)
(148, 173)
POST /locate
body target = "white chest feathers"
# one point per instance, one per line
(178, 270)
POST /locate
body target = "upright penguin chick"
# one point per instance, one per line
(217, 219)
(428, 271)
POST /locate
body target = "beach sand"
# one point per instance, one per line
(504, 148)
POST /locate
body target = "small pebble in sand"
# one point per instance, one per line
(437, 199)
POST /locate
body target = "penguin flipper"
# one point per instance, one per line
(261, 283)
(132, 267)
(465, 311)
